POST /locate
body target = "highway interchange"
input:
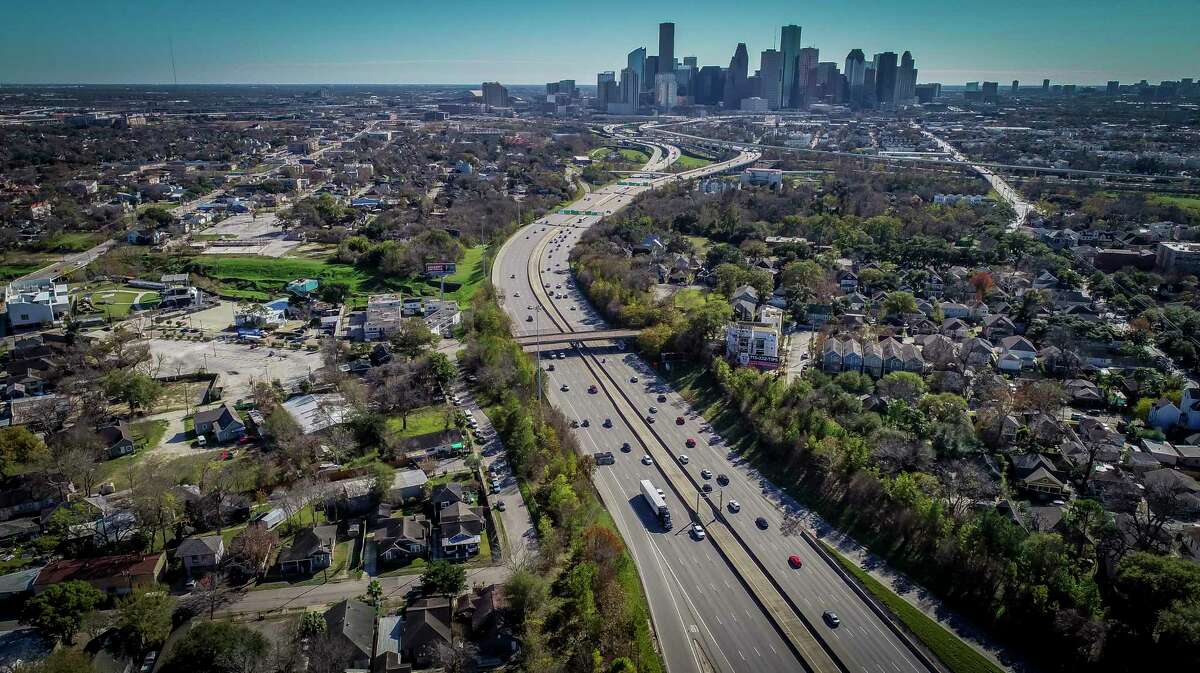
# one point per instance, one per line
(705, 614)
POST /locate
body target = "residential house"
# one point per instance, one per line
(998, 326)
(847, 281)
(955, 328)
(484, 614)
(939, 351)
(352, 622)
(1084, 392)
(1163, 415)
(401, 538)
(952, 309)
(28, 494)
(1189, 409)
(460, 531)
(222, 422)
(116, 439)
(976, 353)
(447, 494)
(311, 550)
(1020, 348)
(1036, 473)
(428, 623)
(201, 554)
(120, 574)
(1045, 281)
(407, 484)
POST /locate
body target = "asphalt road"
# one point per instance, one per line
(863, 642)
(704, 618)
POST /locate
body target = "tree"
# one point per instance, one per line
(312, 624)
(19, 446)
(131, 387)
(983, 284)
(905, 386)
(251, 550)
(457, 656)
(899, 303)
(441, 368)
(412, 336)
(62, 660)
(527, 593)
(212, 592)
(144, 620)
(58, 612)
(374, 595)
(443, 577)
(382, 476)
(219, 647)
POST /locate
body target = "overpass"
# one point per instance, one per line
(561, 338)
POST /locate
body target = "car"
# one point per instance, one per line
(562, 355)
(831, 618)
(607, 423)
(722, 480)
(715, 439)
(585, 423)
(662, 398)
(574, 424)
(513, 275)
(593, 389)
(762, 523)
(500, 506)
(633, 379)
(565, 388)
(795, 561)
(572, 308)
(647, 460)
(734, 506)
(683, 459)
(697, 531)
(654, 410)
(149, 662)
(707, 488)
(626, 448)
(650, 419)
(706, 473)
(550, 367)
(517, 293)
(679, 420)
(528, 318)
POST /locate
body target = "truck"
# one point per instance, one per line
(657, 504)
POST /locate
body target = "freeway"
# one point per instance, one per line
(704, 619)
(1020, 206)
(865, 641)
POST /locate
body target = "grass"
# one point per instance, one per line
(957, 655)
(701, 243)
(148, 434)
(598, 153)
(71, 241)
(635, 156)
(1191, 203)
(689, 298)
(420, 422)
(687, 162)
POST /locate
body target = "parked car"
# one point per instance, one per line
(647, 460)
(625, 448)
(683, 459)
(690, 443)
(679, 420)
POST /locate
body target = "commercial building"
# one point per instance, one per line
(666, 48)
(855, 72)
(806, 71)
(666, 90)
(495, 95)
(36, 301)
(906, 80)
(789, 47)
(635, 61)
(755, 344)
(886, 72)
(770, 75)
(755, 104)
(772, 177)
(1182, 258)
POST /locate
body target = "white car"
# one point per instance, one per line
(647, 460)
(734, 506)
(697, 531)
(517, 293)
(683, 459)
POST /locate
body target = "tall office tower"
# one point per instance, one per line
(906, 79)
(567, 86)
(551, 88)
(1015, 85)
(1113, 87)
(856, 70)
(991, 91)
(735, 82)
(709, 85)
(770, 75)
(691, 62)
(1045, 86)
(868, 94)
(603, 92)
(495, 95)
(631, 88)
(885, 77)
(806, 65)
(651, 71)
(666, 90)
(824, 84)
(666, 47)
(684, 77)
(636, 61)
(789, 46)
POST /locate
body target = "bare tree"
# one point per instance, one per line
(456, 657)
(251, 550)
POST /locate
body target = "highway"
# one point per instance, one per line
(704, 619)
(863, 641)
(1021, 207)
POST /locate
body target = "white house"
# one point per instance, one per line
(1164, 414)
(201, 554)
(36, 301)
(753, 344)
(1021, 348)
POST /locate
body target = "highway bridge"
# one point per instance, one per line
(561, 338)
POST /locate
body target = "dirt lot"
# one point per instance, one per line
(238, 365)
(256, 235)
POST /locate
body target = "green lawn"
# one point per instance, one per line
(420, 422)
(636, 156)
(687, 162)
(72, 241)
(148, 434)
(688, 298)
(957, 656)
(599, 153)
(1191, 203)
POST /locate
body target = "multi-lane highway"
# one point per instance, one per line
(673, 565)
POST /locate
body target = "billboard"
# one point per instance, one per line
(440, 268)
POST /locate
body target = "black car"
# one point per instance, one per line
(608, 422)
(831, 618)
(761, 522)
(722, 480)
(707, 488)
(662, 398)
(626, 448)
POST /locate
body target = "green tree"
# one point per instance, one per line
(622, 665)
(905, 386)
(441, 368)
(444, 577)
(58, 612)
(899, 303)
(375, 593)
(412, 337)
(527, 593)
(144, 620)
(18, 446)
(133, 388)
(313, 624)
(218, 647)
(382, 476)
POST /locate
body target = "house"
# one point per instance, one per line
(1045, 281)
(222, 422)
(976, 353)
(1163, 415)
(353, 622)
(998, 326)
(36, 301)
(402, 538)
(407, 484)
(201, 554)
(447, 494)
(1035, 472)
(313, 413)
(1084, 392)
(427, 624)
(754, 344)
(460, 530)
(952, 309)
(955, 328)
(847, 282)
(28, 494)
(120, 574)
(1021, 348)
(116, 439)
(1189, 409)
(17, 585)
(483, 613)
(311, 550)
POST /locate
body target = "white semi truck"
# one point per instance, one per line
(657, 504)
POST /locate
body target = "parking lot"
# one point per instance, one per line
(249, 235)
(238, 365)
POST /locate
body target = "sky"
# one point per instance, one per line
(535, 41)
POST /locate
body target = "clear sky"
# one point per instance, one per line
(534, 41)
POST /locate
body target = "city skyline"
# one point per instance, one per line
(380, 43)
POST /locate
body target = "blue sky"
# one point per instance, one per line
(533, 41)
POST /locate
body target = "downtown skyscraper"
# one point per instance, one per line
(855, 72)
(885, 77)
(789, 48)
(770, 74)
(636, 62)
(666, 47)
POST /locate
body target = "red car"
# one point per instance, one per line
(679, 420)
(691, 443)
(794, 561)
